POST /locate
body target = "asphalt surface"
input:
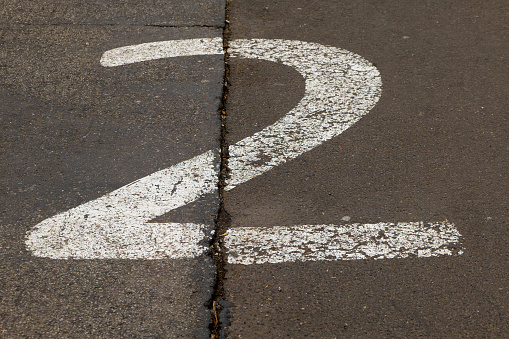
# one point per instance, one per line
(433, 148)
(71, 131)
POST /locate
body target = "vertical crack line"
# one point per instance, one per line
(222, 221)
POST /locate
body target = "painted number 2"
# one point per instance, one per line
(340, 88)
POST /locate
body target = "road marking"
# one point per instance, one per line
(340, 87)
(160, 50)
(116, 224)
(260, 245)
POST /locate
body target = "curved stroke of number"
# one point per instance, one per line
(340, 87)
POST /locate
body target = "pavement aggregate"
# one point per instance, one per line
(71, 131)
(433, 148)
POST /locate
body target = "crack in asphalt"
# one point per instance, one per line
(217, 306)
(162, 25)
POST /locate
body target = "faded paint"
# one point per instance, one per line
(260, 245)
(340, 87)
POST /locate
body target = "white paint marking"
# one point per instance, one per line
(340, 88)
(161, 49)
(260, 245)
(116, 224)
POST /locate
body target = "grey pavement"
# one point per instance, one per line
(71, 131)
(435, 147)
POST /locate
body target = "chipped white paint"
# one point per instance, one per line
(260, 245)
(116, 224)
(161, 49)
(119, 239)
(340, 87)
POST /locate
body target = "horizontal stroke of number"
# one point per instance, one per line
(260, 245)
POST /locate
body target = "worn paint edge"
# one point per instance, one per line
(161, 50)
(260, 245)
(118, 226)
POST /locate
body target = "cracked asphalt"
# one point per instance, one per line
(433, 148)
(71, 131)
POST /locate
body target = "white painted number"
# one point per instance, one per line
(340, 87)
